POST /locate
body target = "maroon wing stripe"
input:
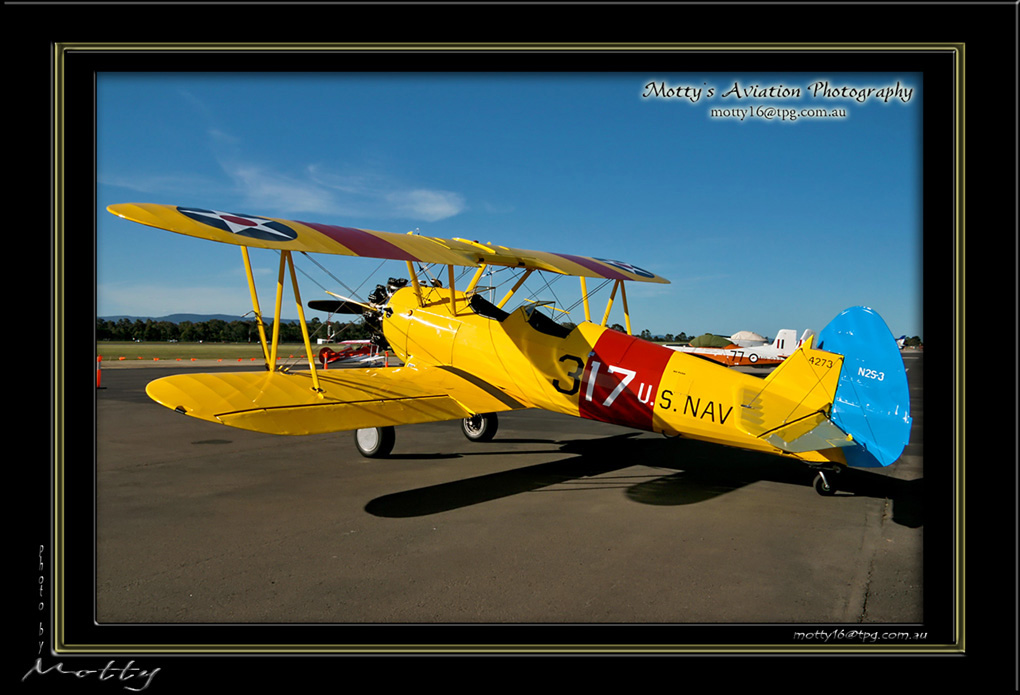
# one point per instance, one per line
(600, 268)
(362, 243)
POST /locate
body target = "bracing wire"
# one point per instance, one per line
(352, 292)
(589, 295)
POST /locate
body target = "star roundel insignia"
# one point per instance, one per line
(620, 265)
(243, 225)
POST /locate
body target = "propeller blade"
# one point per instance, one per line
(336, 306)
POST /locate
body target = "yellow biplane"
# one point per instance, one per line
(844, 402)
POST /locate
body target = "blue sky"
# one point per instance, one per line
(759, 224)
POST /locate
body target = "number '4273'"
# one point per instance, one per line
(821, 362)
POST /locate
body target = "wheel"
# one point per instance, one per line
(375, 442)
(480, 428)
(823, 486)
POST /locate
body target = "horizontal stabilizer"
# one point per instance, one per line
(811, 433)
(801, 387)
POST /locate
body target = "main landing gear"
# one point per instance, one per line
(480, 428)
(377, 442)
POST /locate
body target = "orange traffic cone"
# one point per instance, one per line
(99, 371)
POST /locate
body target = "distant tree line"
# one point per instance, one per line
(220, 331)
(241, 331)
(646, 334)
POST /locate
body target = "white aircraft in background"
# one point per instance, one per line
(759, 356)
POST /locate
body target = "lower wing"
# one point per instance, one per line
(286, 402)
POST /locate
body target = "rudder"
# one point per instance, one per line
(872, 401)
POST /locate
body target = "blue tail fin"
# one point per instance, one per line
(872, 402)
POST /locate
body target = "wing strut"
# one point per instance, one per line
(584, 298)
(516, 287)
(618, 285)
(304, 326)
(415, 283)
(453, 296)
(270, 351)
(255, 306)
(474, 280)
(626, 309)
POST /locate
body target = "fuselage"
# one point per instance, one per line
(589, 370)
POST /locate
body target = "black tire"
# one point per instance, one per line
(375, 442)
(480, 428)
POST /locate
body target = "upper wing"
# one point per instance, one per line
(285, 403)
(286, 235)
(311, 237)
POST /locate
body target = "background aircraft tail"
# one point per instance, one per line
(785, 341)
(872, 401)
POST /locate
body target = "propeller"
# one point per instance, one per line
(372, 314)
(340, 305)
(333, 306)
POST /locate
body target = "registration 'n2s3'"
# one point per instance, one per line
(840, 400)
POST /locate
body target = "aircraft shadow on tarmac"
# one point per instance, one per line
(701, 472)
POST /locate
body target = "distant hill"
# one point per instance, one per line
(194, 318)
(176, 318)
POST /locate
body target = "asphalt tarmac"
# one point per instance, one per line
(557, 521)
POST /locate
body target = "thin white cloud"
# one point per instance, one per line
(263, 190)
(319, 190)
(222, 137)
(164, 184)
(425, 204)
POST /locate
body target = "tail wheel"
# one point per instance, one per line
(825, 486)
(375, 442)
(480, 428)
